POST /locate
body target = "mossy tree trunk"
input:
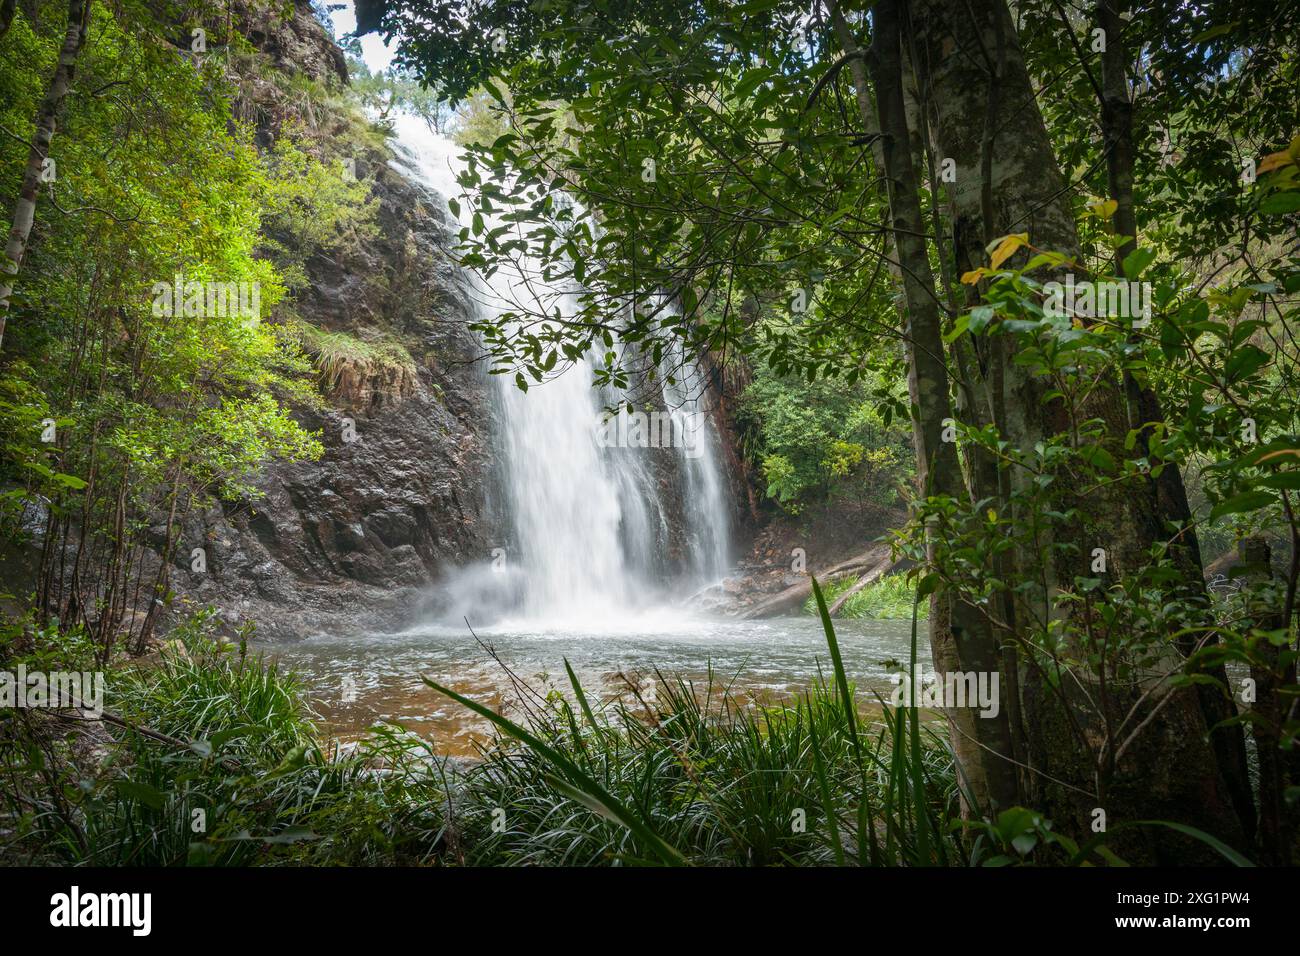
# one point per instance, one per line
(985, 117)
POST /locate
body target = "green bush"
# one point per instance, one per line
(212, 758)
(890, 598)
(821, 440)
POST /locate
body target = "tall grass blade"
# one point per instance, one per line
(920, 806)
(850, 715)
(1214, 843)
(666, 853)
(828, 805)
(582, 697)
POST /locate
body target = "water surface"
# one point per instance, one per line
(357, 680)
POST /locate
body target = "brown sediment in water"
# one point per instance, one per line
(455, 731)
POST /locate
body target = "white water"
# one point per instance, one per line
(587, 584)
(590, 527)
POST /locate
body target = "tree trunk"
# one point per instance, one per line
(864, 582)
(987, 119)
(871, 561)
(1168, 493)
(1276, 834)
(7, 10)
(163, 581)
(25, 207)
(960, 639)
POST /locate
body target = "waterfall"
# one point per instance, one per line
(600, 520)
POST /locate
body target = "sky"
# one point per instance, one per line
(374, 52)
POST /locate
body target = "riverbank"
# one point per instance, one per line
(211, 754)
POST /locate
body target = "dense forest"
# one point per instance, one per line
(964, 334)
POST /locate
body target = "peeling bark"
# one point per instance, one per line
(960, 639)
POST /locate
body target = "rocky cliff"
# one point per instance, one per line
(399, 494)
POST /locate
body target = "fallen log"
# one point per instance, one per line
(868, 579)
(794, 596)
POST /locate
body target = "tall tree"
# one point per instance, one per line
(960, 637)
(985, 116)
(24, 206)
(1169, 507)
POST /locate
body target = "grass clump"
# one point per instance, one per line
(210, 757)
(344, 359)
(688, 781)
(890, 598)
(717, 780)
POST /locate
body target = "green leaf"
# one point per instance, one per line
(1244, 362)
(1214, 843)
(294, 834)
(751, 82)
(928, 585)
(134, 790)
(1217, 31)
(1097, 457)
(1286, 480)
(958, 329)
(293, 761)
(1135, 262)
(582, 697)
(980, 317)
(1238, 504)
(1279, 204)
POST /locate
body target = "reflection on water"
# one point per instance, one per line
(357, 680)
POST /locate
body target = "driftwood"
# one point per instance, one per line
(871, 577)
(875, 561)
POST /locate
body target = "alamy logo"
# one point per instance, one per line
(956, 689)
(26, 689)
(684, 430)
(1116, 299)
(218, 300)
(103, 909)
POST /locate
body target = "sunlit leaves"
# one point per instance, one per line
(1003, 249)
(1103, 209)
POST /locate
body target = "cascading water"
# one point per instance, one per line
(601, 545)
(590, 525)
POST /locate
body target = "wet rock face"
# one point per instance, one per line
(297, 42)
(398, 496)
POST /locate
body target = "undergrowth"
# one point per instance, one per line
(210, 756)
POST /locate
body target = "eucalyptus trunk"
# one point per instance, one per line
(960, 638)
(1089, 746)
